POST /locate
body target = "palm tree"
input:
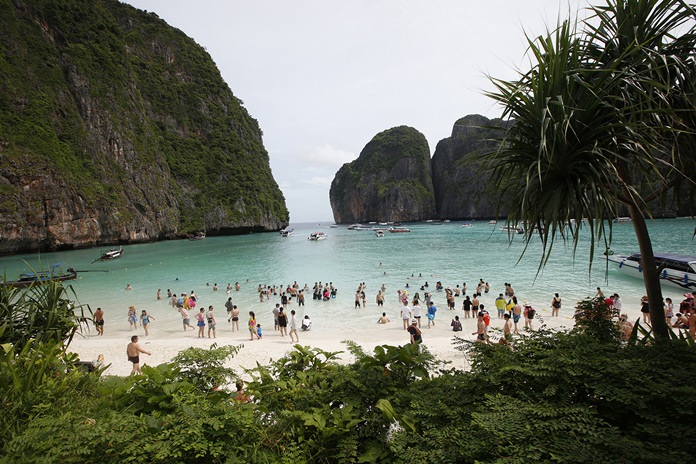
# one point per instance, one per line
(604, 118)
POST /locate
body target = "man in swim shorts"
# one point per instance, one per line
(133, 351)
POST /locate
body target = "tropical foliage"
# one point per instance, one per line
(578, 396)
(604, 118)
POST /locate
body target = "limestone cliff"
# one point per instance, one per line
(390, 180)
(459, 180)
(115, 127)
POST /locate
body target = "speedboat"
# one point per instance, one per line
(111, 254)
(379, 233)
(398, 230)
(287, 232)
(467, 224)
(315, 236)
(515, 229)
(675, 270)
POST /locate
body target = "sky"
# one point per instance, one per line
(323, 77)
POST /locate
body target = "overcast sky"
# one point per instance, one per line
(323, 77)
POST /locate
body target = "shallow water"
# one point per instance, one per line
(445, 252)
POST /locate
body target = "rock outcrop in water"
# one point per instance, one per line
(390, 180)
(115, 127)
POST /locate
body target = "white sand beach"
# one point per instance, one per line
(165, 344)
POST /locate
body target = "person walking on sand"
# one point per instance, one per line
(293, 328)
(406, 316)
(185, 318)
(99, 321)
(282, 322)
(431, 313)
(145, 319)
(252, 326)
(235, 318)
(132, 318)
(516, 313)
(276, 312)
(480, 329)
(211, 321)
(133, 351)
(555, 304)
(417, 312)
(415, 333)
(506, 339)
(200, 317)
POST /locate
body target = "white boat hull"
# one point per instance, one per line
(684, 279)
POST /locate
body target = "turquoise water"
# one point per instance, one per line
(445, 252)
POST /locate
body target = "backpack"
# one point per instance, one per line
(487, 319)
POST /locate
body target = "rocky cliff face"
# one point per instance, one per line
(390, 180)
(460, 183)
(115, 127)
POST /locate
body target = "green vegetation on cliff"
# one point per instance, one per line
(132, 116)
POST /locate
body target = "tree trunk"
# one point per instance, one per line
(651, 276)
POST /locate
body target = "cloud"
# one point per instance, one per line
(326, 156)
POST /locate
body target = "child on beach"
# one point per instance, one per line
(252, 326)
(145, 321)
(259, 333)
(132, 318)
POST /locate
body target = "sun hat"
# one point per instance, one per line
(688, 295)
(414, 321)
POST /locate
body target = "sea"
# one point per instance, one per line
(452, 253)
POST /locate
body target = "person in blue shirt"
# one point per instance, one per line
(431, 314)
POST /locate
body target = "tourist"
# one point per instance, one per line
(480, 329)
(275, 312)
(237, 287)
(669, 311)
(599, 294)
(293, 328)
(235, 318)
(415, 333)
(159, 293)
(431, 314)
(555, 305)
(645, 309)
(625, 327)
(228, 289)
(506, 339)
(145, 319)
(379, 298)
(133, 351)
(215, 287)
(201, 323)
(306, 323)
(456, 324)
(357, 299)
(99, 321)
(500, 305)
(529, 313)
(300, 298)
(128, 287)
(240, 396)
(687, 305)
(618, 304)
(417, 313)
(406, 316)
(516, 313)
(383, 319)
(252, 326)
(259, 332)
(282, 322)
(229, 306)
(466, 306)
(185, 318)
(211, 322)
(132, 318)
(475, 304)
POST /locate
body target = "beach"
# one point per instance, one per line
(167, 338)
